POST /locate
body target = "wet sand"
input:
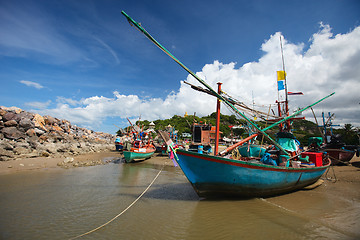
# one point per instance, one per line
(38, 163)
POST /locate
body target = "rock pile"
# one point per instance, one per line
(24, 134)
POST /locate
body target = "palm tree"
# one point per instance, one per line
(349, 134)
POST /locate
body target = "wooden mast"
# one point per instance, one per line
(216, 151)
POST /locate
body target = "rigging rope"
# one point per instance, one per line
(111, 220)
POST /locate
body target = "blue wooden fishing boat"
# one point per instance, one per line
(219, 176)
(269, 175)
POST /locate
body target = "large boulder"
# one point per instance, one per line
(13, 133)
(6, 155)
(4, 144)
(24, 115)
(31, 132)
(50, 120)
(11, 123)
(26, 123)
(39, 122)
(2, 111)
(8, 116)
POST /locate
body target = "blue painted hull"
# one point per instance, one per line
(217, 176)
(119, 147)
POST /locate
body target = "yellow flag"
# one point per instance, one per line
(281, 75)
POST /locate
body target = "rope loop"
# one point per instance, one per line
(111, 220)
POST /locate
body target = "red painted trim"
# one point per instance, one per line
(247, 165)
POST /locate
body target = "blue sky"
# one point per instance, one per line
(82, 61)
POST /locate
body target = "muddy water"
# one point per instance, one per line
(62, 204)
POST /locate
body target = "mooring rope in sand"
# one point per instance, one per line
(108, 222)
(330, 178)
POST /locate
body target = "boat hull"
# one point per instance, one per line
(217, 176)
(136, 154)
(119, 147)
(339, 155)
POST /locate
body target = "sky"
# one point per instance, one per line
(82, 61)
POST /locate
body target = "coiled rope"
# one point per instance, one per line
(111, 220)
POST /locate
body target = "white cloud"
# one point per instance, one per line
(331, 63)
(38, 105)
(69, 101)
(32, 84)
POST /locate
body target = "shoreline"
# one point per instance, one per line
(66, 162)
(347, 173)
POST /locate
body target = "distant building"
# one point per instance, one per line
(152, 125)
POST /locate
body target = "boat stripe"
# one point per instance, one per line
(234, 162)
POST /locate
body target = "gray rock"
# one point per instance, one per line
(21, 137)
(50, 120)
(50, 147)
(9, 116)
(33, 142)
(21, 143)
(31, 132)
(26, 123)
(24, 115)
(6, 145)
(39, 131)
(68, 160)
(21, 150)
(6, 155)
(12, 133)
(10, 123)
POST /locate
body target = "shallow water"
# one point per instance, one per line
(62, 204)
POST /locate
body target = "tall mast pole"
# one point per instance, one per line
(217, 121)
(286, 90)
(283, 66)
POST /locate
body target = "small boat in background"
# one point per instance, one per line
(139, 145)
(139, 151)
(332, 144)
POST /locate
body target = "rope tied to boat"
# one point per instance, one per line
(111, 220)
(334, 180)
